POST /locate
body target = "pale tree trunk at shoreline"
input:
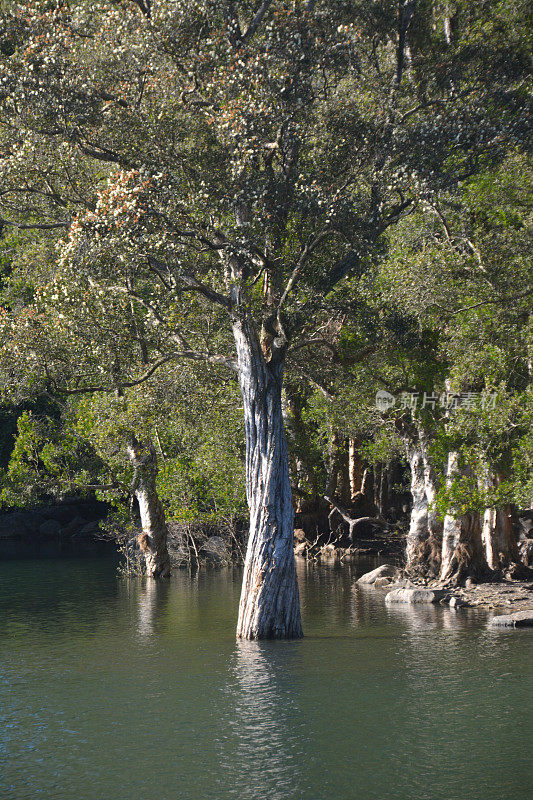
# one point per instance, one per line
(497, 534)
(153, 540)
(418, 524)
(269, 606)
(435, 522)
(462, 550)
(355, 471)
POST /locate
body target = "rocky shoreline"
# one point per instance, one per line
(509, 595)
(66, 529)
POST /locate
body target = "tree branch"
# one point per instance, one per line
(191, 354)
(191, 282)
(306, 253)
(126, 385)
(34, 225)
(255, 23)
(339, 271)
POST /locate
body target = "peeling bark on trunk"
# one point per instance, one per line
(153, 540)
(383, 492)
(418, 525)
(462, 551)
(488, 538)
(367, 486)
(423, 546)
(497, 534)
(269, 606)
(435, 523)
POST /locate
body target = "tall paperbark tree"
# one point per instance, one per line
(247, 158)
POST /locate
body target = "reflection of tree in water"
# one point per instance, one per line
(152, 603)
(265, 736)
(444, 686)
(325, 593)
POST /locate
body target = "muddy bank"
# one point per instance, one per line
(513, 595)
(505, 594)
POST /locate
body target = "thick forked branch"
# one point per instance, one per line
(106, 389)
(353, 523)
(305, 254)
(236, 36)
(193, 355)
(339, 271)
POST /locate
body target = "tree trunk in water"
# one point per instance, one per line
(418, 524)
(269, 606)
(153, 540)
(423, 550)
(462, 551)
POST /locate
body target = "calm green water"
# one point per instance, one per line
(114, 690)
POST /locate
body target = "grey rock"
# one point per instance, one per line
(380, 583)
(402, 583)
(74, 526)
(90, 529)
(470, 583)
(458, 602)
(521, 619)
(49, 529)
(385, 571)
(414, 596)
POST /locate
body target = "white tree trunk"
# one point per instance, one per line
(153, 540)
(462, 552)
(488, 538)
(354, 469)
(431, 484)
(497, 534)
(269, 606)
(418, 525)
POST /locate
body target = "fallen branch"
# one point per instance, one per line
(353, 523)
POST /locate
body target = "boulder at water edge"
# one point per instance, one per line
(385, 571)
(413, 596)
(521, 619)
